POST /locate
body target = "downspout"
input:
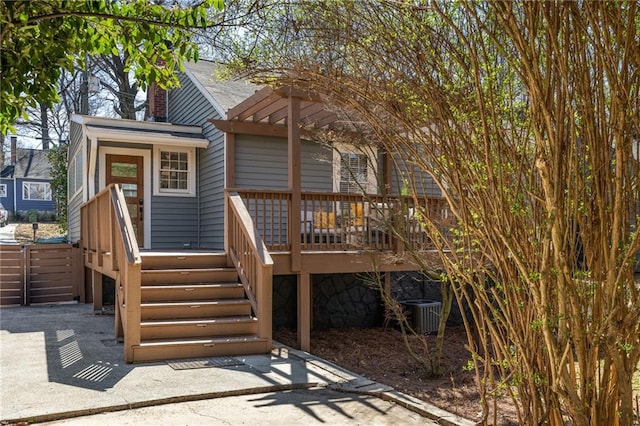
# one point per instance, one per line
(93, 152)
(198, 192)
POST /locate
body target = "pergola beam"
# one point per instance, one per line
(258, 106)
(249, 128)
(248, 103)
(269, 110)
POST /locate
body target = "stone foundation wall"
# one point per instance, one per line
(345, 300)
(351, 300)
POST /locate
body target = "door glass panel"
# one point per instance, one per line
(133, 211)
(124, 169)
(130, 189)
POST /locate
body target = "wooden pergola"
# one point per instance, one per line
(286, 113)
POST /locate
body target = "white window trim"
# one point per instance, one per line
(191, 172)
(25, 183)
(3, 190)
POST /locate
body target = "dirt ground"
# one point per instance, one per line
(380, 355)
(24, 232)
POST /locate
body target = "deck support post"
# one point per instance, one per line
(118, 326)
(305, 304)
(96, 290)
(132, 310)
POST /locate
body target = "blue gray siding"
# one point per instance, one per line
(188, 105)
(76, 145)
(211, 189)
(416, 178)
(174, 222)
(261, 163)
(7, 200)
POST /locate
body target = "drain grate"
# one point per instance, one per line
(190, 364)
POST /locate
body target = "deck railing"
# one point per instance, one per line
(252, 260)
(336, 221)
(110, 246)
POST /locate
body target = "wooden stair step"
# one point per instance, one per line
(195, 309)
(231, 284)
(177, 276)
(191, 291)
(160, 350)
(228, 320)
(182, 260)
(185, 303)
(204, 327)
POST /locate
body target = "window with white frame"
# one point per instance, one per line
(353, 172)
(175, 171)
(3, 190)
(75, 174)
(36, 191)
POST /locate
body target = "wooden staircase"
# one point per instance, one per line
(193, 305)
(172, 305)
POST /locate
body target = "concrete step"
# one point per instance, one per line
(160, 350)
(181, 276)
(194, 309)
(195, 291)
(182, 260)
(190, 328)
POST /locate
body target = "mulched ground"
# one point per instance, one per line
(381, 355)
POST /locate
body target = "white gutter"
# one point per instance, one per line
(152, 138)
(130, 125)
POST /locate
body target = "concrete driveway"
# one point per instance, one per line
(6, 233)
(60, 363)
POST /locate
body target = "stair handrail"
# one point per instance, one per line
(250, 255)
(110, 245)
(125, 225)
(129, 264)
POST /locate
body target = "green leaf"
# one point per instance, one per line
(39, 49)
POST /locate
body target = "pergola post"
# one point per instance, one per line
(294, 173)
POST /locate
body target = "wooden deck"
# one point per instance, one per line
(179, 303)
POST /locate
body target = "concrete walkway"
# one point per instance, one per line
(61, 364)
(7, 234)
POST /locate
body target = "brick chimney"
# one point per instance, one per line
(157, 99)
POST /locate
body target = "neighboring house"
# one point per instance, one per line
(219, 162)
(25, 185)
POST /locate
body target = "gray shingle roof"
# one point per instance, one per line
(225, 93)
(31, 163)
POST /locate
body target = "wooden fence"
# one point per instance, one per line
(41, 273)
